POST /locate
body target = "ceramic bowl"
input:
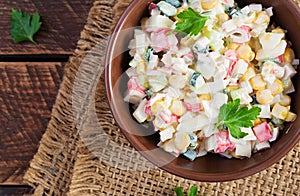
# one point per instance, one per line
(210, 167)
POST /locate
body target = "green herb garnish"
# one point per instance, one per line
(192, 22)
(23, 27)
(179, 192)
(234, 117)
(193, 191)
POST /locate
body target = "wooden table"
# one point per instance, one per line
(30, 76)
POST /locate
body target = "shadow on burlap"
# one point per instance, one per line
(84, 153)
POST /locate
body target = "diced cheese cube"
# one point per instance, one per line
(255, 7)
(159, 123)
(174, 92)
(219, 99)
(193, 124)
(131, 72)
(139, 113)
(229, 26)
(240, 67)
(243, 149)
(291, 117)
(262, 146)
(270, 40)
(206, 66)
(244, 97)
(167, 8)
(246, 86)
(265, 111)
(153, 62)
(273, 53)
(262, 132)
(280, 111)
(157, 82)
(250, 133)
(156, 22)
(289, 71)
(275, 134)
(211, 143)
(167, 133)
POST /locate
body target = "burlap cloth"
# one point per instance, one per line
(83, 152)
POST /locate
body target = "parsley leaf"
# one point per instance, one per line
(234, 117)
(178, 191)
(191, 22)
(193, 191)
(23, 26)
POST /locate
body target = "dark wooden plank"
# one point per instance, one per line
(15, 190)
(62, 24)
(27, 94)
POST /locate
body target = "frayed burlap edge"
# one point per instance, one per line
(51, 169)
(75, 159)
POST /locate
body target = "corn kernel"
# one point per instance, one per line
(264, 96)
(280, 111)
(257, 121)
(250, 72)
(209, 4)
(177, 108)
(251, 18)
(262, 18)
(232, 88)
(276, 87)
(141, 67)
(278, 30)
(245, 52)
(182, 141)
(222, 18)
(233, 46)
(158, 106)
(291, 117)
(205, 97)
(285, 100)
(289, 55)
(257, 82)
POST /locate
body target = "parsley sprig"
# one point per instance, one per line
(191, 22)
(23, 26)
(179, 192)
(234, 117)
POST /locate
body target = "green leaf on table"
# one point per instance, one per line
(178, 191)
(23, 26)
(234, 117)
(193, 191)
(191, 22)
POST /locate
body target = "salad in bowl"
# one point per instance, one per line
(212, 77)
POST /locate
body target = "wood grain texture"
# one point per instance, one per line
(27, 94)
(62, 23)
